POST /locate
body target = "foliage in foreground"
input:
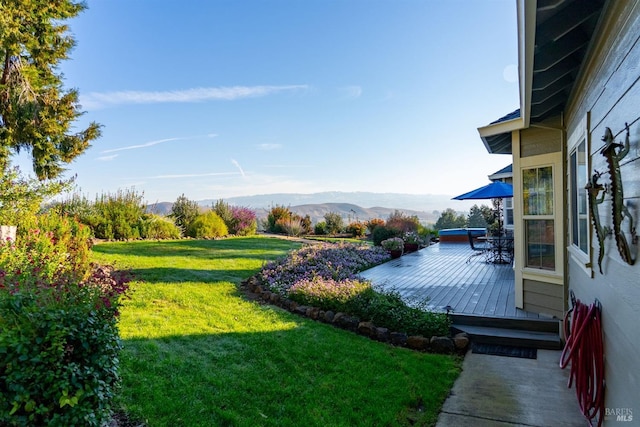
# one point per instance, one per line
(59, 345)
(325, 276)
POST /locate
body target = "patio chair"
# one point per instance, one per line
(478, 248)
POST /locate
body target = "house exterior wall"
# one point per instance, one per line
(607, 94)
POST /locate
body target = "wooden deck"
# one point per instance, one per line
(441, 274)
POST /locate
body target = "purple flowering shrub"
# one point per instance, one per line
(243, 221)
(337, 262)
(326, 276)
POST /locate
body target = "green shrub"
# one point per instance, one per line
(334, 222)
(160, 227)
(320, 228)
(59, 355)
(387, 308)
(55, 247)
(207, 226)
(184, 212)
(383, 232)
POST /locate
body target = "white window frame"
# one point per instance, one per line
(577, 136)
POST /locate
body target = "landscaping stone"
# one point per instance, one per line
(417, 342)
(346, 322)
(266, 295)
(382, 334)
(313, 313)
(329, 316)
(399, 338)
(301, 309)
(367, 329)
(461, 340)
(442, 344)
(274, 298)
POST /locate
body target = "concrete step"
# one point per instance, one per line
(528, 324)
(508, 336)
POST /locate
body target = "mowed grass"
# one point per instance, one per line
(196, 353)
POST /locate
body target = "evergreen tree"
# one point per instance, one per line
(450, 219)
(36, 112)
(184, 212)
(476, 217)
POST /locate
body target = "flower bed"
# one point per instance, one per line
(322, 282)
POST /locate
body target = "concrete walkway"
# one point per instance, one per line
(496, 391)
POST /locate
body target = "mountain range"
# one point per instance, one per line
(351, 206)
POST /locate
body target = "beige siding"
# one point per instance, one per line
(543, 139)
(609, 88)
(544, 298)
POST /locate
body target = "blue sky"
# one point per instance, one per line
(216, 99)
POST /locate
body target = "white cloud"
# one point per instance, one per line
(192, 175)
(352, 91)
(236, 164)
(107, 158)
(147, 144)
(95, 100)
(269, 147)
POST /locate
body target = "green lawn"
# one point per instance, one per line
(196, 353)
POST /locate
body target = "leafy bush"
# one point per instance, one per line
(54, 248)
(334, 222)
(381, 233)
(59, 357)
(320, 228)
(274, 218)
(184, 212)
(160, 227)
(207, 226)
(357, 229)
(401, 223)
(373, 223)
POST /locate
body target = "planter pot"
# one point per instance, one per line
(395, 253)
(8, 232)
(410, 247)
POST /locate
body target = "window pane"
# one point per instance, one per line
(578, 197)
(537, 191)
(540, 249)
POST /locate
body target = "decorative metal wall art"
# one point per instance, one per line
(619, 210)
(593, 189)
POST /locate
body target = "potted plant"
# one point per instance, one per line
(394, 246)
(412, 241)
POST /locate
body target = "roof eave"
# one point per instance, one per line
(526, 11)
(499, 128)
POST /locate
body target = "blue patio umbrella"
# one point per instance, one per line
(495, 190)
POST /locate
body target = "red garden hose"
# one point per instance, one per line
(584, 349)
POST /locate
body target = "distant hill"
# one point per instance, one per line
(350, 205)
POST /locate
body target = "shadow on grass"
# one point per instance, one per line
(181, 275)
(230, 248)
(301, 374)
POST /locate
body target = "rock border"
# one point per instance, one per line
(456, 344)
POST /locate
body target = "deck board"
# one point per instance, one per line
(442, 274)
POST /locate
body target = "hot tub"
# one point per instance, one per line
(460, 234)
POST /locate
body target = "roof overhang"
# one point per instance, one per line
(553, 39)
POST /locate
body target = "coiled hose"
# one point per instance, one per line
(584, 349)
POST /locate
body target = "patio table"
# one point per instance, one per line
(501, 248)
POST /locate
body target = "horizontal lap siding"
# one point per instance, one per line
(541, 297)
(609, 89)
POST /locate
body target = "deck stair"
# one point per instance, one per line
(523, 332)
